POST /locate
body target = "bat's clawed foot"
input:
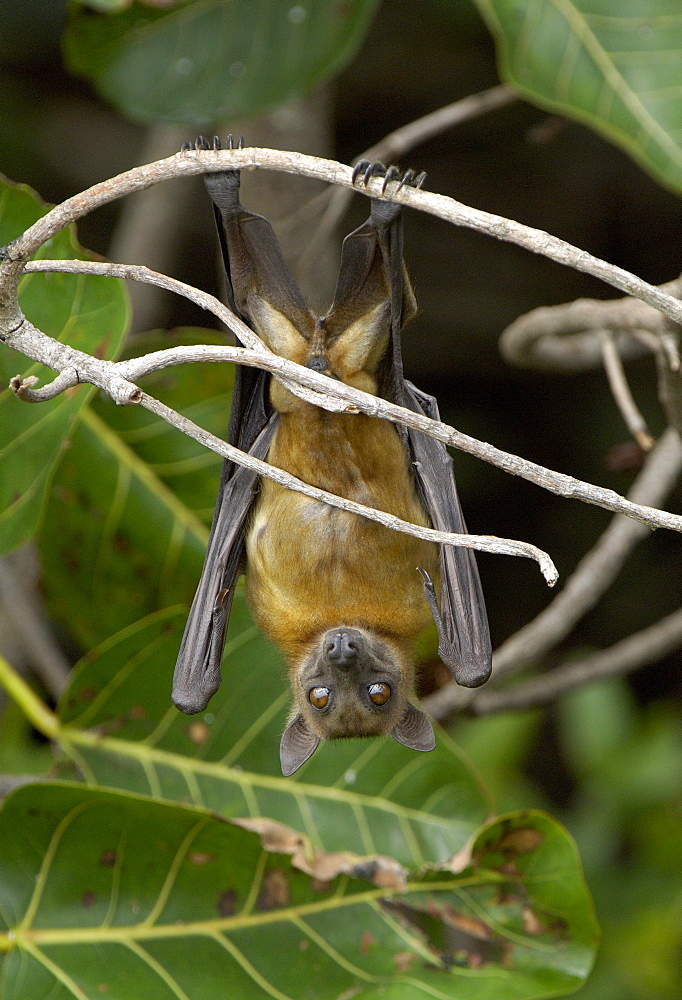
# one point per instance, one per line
(202, 143)
(366, 169)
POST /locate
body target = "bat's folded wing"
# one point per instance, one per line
(197, 671)
(463, 633)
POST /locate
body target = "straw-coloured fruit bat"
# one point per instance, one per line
(340, 595)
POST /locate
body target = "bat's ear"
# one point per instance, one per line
(414, 730)
(297, 745)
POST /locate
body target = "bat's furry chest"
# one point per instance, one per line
(311, 567)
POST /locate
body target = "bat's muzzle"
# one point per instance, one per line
(342, 646)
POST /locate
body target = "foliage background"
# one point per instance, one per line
(606, 760)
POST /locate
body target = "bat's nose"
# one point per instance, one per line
(342, 648)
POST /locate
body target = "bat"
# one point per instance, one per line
(343, 597)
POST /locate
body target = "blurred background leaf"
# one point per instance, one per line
(616, 67)
(200, 60)
(131, 540)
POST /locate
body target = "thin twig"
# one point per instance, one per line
(620, 390)
(134, 369)
(583, 589)
(115, 379)
(483, 543)
(629, 654)
(107, 375)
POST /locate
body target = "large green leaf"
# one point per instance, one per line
(363, 795)
(104, 893)
(89, 313)
(616, 66)
(203, 60)
(124, 529)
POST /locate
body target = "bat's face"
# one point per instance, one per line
(352, 683)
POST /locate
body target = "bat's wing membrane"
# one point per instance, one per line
(197, 671)
(462, 622)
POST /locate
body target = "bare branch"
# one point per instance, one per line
(592, 577)
(566, 337)
(116, 380)
(108, 376)
(408, 136)
(634, 421)
(137, 272)
(630, 654)
(193, 162)
(484, 543)
(401, 141)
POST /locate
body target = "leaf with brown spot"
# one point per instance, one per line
(227, 903)
(522, 840)
(403, 960)
(274, 894)
(531, 922)
(200, 858)
(366, 942)
(259, 906)
(323, 866)
(198, 732)
(468, 925)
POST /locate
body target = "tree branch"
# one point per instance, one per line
(567, 337)
(636, 651)
(620, 390)
(193, 162)
(116, 380)
(399, 142)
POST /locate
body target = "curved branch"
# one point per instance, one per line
(39, 347)
(398, 143)
(567, 337)
(620, 390)
(192, 162)
(483, 543)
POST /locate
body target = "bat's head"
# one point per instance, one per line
(351, 682)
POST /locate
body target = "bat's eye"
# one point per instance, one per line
(379, 693)
(319, 697)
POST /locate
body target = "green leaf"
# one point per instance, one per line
(202, 60)
(367, 796)
(116, 543)
(108, 893)
(88, 312)
(615, 66)
(124, 529)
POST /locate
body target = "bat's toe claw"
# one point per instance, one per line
(391, 174)
(410, 179)
(359, 168)
(364, 170)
